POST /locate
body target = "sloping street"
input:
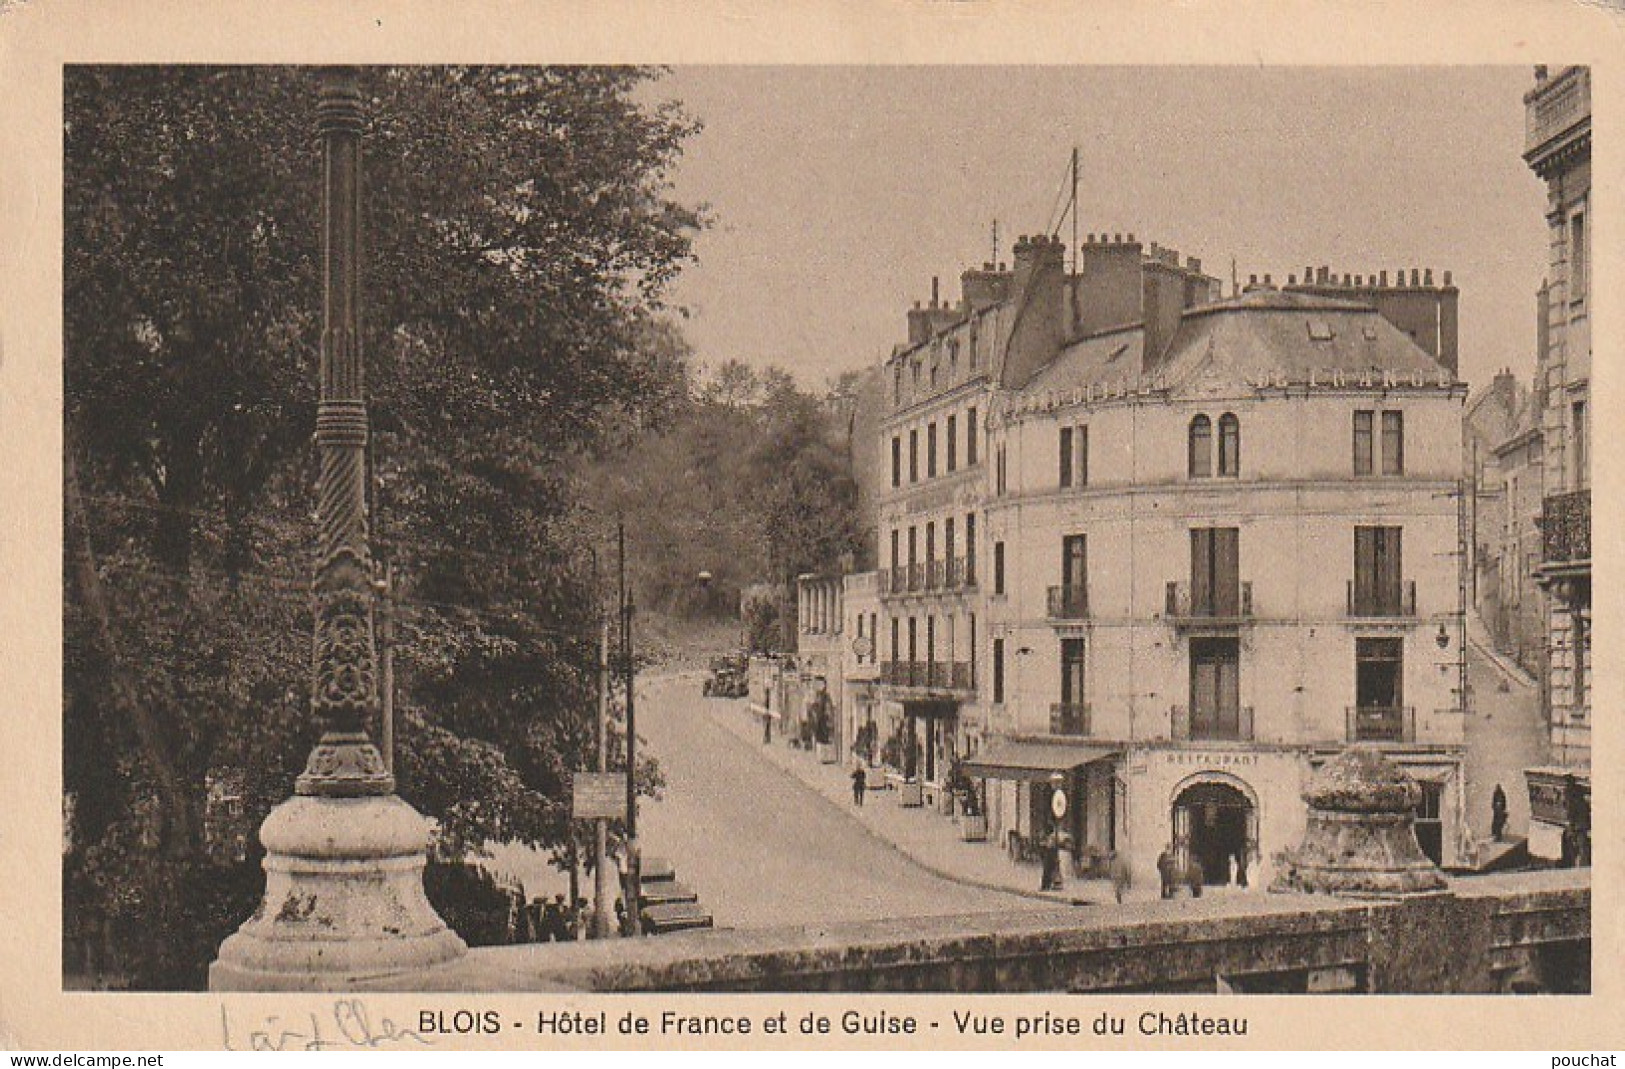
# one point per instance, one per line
(763, 849)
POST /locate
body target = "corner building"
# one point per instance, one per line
(1213, 542)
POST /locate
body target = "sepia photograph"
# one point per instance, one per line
(979, 529)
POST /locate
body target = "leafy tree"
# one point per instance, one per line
(520, 235)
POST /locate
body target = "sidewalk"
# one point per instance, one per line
(924, 836)
(1478, 636)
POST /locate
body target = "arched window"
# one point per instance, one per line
(1229, 445)
(1201, 451)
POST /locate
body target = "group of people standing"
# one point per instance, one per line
(557, 921)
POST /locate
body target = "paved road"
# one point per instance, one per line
(762, 849)
(1504, 736)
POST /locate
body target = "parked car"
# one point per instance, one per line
(728, 677)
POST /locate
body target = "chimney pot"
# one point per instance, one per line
(1347, 280)
(1117, 239)
(1267, 280)
(1447, 278)
(1252, 280)
(1003, 266)
(1291, 280)
(1090, 240)
(1359, 280)
(1131, 239)
(936, 284)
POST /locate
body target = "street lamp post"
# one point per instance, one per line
(344, 856)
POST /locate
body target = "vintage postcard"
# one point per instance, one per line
(1026, 526)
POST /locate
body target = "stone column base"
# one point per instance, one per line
(343, 900)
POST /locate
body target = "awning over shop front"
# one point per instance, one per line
(1014, 759)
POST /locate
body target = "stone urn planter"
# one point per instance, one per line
(1360, 838)
(911, 795)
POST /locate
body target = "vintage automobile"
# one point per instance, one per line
(728, 677)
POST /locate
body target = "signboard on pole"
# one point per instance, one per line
(598, 796)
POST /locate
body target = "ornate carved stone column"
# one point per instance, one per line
(344, 856)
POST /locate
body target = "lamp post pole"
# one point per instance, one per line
(343, 850)
(634, 862)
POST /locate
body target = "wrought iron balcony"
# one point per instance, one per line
(1381, 723)
(1220, 607)
(916, 578)
(1565, 527)
(962, 573)
(927, 675)
(1212, 724)
(936, 574)
(1068, 603)
(1373, 601)
(1069, 718)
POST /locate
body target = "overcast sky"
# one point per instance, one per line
(839, 191)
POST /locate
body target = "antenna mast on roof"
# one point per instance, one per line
(1074, 209)
(995, 260)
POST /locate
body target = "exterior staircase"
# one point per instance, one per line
(668, 906)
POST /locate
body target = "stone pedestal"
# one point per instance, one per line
(343, 900)
(1360, 839)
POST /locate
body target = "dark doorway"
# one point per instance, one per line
(1216, 826)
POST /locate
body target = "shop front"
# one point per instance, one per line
(1560, 815)
(1018, 780)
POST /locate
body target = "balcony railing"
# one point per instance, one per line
(962, 573)
(916, 577)
(1400, 601)
(1220, 606)
(936, 574)
(935, 675)
(1565, 527)
(1068, 603)
(1218, 725)
(1069, 718)
(1558, 105)
(1381, 723)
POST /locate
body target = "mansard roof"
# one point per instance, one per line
(1267, 335)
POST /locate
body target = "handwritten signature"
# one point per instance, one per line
(351, 1027)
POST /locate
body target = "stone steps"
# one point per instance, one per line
(668, 906)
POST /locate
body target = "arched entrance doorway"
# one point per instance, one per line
(1216, 825)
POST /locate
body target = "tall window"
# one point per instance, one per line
(1216, 689)
(913, 546)
(1363, 419)
(998, 567)
(1075, 562)
(970, 548)
(1071, 720)
(972, 646)
(914, 456)
(998, 671)
(970, 438)
(931, 451)
(930, 542)
(896, 648)
(1429, 823)
(1083, 455)
(953, 445)
(1216, 571)
(1000, 482)
(1582, 462)
(897, 386)
(895, 558)
(1577, 257)
(1201, 448)
(1393, 443)
(1229, 445)
(1379, 677)
(948, 541)
(1378, 578)
(896, 461)
(1066, 457)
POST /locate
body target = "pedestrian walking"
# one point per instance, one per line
(1122, 876)
(1165, 871)
(1195, 877)
(860, 783)
(1498, 813)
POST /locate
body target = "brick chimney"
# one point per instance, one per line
(1108, 288)
(1038, 297)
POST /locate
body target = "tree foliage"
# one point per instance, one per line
(520, 234)
(747, 478)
